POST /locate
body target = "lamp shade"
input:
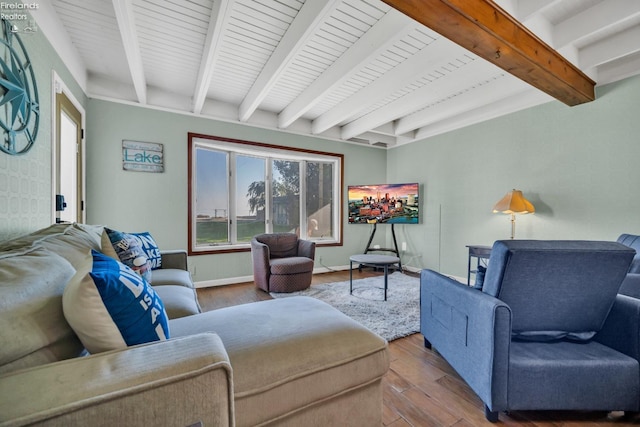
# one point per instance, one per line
(514, 203)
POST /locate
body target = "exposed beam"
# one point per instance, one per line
(611, 48)
(618, 70)
(210, 53)
(309, 18)
(595, 19)
(526, 9)
(491, 91)
(432, 92)
(126, 23)
(516, 102)
(392, 27)
(54, 30)
(430, 58)
(482, 27)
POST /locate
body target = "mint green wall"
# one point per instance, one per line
(578, 166)
(25, 180)
(157, 202)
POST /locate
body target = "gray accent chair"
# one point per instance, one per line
(548, 330)
(282, 262)
(631, 284)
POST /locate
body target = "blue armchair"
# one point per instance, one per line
(546, 332)
(631, 284)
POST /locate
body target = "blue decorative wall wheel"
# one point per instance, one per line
(19, 105)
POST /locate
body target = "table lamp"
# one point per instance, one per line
(514, 203)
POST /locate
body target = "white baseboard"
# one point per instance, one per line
(412, 269)
(222, 282)
(243, 279)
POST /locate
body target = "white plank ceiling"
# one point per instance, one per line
(351, 70)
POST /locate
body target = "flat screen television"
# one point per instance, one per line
(384, 203)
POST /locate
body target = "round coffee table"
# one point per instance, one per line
(374, 261)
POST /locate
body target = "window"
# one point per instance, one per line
(238, 189)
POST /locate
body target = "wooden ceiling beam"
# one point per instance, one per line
(485, 29)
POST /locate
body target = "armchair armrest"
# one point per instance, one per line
(471, 330)
(631, 285)
(307, 248)
(174, 259)
(621, 330)
(260, 255)
(176, 382)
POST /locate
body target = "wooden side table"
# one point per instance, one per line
(480, 253)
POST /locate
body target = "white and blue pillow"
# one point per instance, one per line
(127, 249)
(111, 307)
(150, 248)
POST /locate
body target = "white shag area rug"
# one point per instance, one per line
(395, 318)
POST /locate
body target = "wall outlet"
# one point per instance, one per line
(404, 246)
(376, 246)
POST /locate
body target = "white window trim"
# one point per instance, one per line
(269, 152)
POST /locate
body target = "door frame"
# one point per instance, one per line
(58, 86)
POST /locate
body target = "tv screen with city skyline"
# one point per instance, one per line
(384, 203)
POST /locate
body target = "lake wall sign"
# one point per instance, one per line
(142, 156)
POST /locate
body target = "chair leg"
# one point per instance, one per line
(491, 416)
(427, 344)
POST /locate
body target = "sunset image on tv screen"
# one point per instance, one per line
(384, 203)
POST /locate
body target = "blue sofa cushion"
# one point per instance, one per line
(559, 300)
(544, 375)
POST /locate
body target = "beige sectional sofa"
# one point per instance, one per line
(291, 362)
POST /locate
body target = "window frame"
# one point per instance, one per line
(269, 151)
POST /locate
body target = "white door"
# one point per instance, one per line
(69, 170)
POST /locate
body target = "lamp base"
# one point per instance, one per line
(513, 226)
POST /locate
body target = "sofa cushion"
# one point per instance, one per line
(613, 381)
(179, 301)
(171, 276)
(33, 330)
(127, 249)
(290, 353)
(70, 241)
(111, 307)
(175, 288)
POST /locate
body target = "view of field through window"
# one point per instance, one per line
(238, 196)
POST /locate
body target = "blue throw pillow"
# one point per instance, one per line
(127, 249)
(112, 307)
(150, 248)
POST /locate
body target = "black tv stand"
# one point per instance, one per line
(395, 244)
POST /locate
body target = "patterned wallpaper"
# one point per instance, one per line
(25, 180)
(25, 190)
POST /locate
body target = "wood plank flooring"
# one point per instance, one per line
(421, 389)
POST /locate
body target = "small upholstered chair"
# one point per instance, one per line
(548, 330)
(282, 262)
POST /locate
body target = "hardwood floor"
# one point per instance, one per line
(421, 389)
